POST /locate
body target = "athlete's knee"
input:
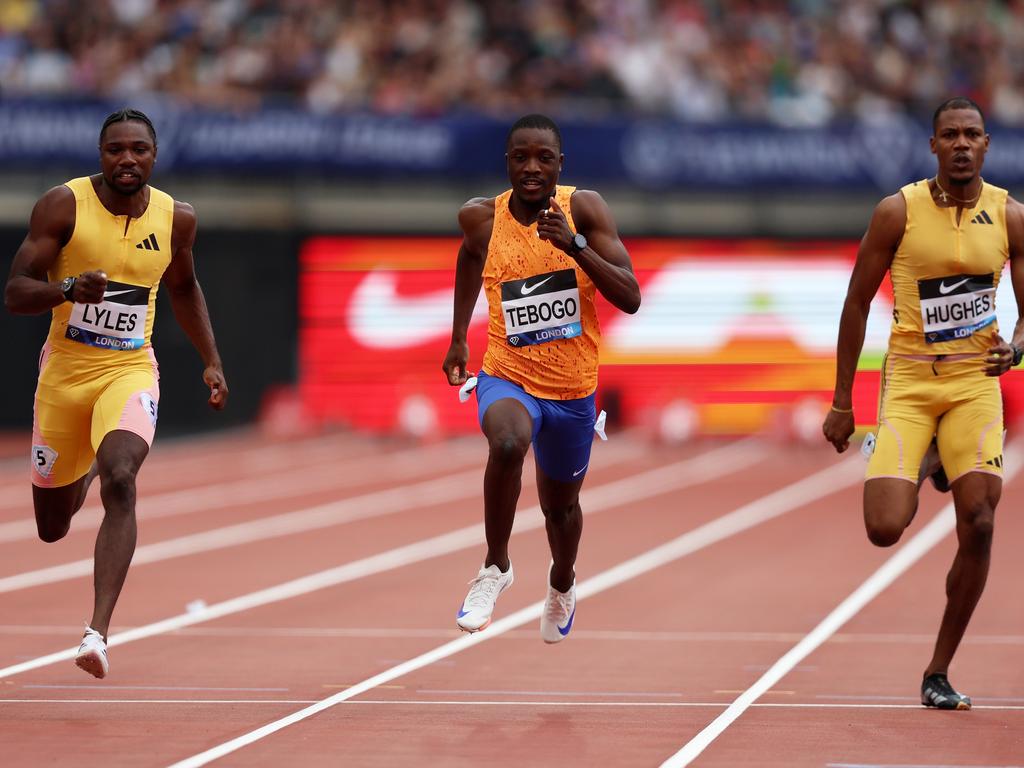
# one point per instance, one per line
(118, 484)
(884, 535)
(976, 525)
(52, 530)
(507, 448)
(561, 514)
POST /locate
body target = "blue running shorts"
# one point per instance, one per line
(563, 430)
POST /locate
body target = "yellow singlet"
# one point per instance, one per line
(97, 370)
(134, 254)
(543, 332)
(944, 274)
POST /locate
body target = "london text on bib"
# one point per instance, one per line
(118, 322)
(955, 307)
(541, 308)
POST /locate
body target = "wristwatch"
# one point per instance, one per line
(1018, 354)
(67, 287)
(578, 244)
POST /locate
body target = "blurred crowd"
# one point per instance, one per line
(797, 62)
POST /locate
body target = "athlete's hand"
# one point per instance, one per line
(454, 365)
(90, 287)
(214, 378)
(553, 226)
(837, 429)
(999, 359)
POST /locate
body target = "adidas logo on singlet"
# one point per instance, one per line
(996, 462)
(149, 243)
(981, 218)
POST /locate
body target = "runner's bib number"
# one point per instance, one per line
(541, 308)
(118, 322)
(957, 306)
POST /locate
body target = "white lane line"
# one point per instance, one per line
(107, 687)
(931, 534)
(914, 765)
(469, 704)
(374, 504)
(800, 493)
(613, 635)
(673, 477)
(269, 486)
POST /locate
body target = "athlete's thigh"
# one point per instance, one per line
(970, 434)
(61, 449)
(563, 443)
(907, 419)
(129, 402)
(504, 409)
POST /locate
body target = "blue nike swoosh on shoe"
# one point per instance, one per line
(568, 626)
(461, 613)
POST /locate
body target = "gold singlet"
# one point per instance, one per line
(134, 254)
(945, 274)
(543, 332)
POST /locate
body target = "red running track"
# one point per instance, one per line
(329, 571)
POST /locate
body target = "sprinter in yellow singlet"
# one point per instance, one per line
(541, 252)
(944, 242)
(95, 254)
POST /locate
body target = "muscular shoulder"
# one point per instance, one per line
(890, 217)
(184, 225)
(54, 213)
(476, 218)
(1014, 220)
(476, 213)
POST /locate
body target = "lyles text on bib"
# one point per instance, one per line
(118, 322)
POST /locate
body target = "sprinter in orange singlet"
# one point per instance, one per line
(541, 251)
(944, 242)
(96, 251)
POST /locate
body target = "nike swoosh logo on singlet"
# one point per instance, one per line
(944, 289)
(527, 290)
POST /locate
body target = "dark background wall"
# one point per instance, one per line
(249, 279)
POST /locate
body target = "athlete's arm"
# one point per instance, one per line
(605, 259)
(189, 304)
(28, 290)
(874, 257)
(1001, 356)
(476, 218)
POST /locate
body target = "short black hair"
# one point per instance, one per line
(123, 115)
(957, 102)
(542, 122)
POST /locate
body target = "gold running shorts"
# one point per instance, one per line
(952, 400)
(79, 401)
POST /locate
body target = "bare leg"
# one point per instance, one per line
(119, 458)
(889, 506)
(54, 507)
(975, 496)
(508, 428)
(563, 519)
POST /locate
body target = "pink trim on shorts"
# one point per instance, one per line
(135, 418)
(37, 437)
(979, 471)
(889, 477)
(883, 422)
(984, 433)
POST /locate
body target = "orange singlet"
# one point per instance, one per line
(543, 332)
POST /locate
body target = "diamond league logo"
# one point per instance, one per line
(887, 149)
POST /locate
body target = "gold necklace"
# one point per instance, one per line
(946, 197)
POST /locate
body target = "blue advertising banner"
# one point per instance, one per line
(865, 156)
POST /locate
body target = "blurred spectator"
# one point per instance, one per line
(794, 62)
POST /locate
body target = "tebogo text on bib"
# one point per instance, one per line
(118, 322)
(956, 306)
(541, 308)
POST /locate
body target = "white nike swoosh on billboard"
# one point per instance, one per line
(381, 319)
